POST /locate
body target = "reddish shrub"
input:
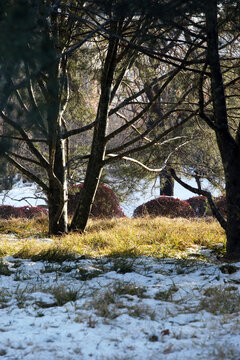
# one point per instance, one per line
(106, 203)
(165, 206)
(199, 205)
(221, 205)
(32, 211)
(7, 211)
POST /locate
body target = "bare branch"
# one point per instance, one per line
(83, 41)
(146, 132)
(139, 93)
(114, 156)
(76, 158)
(132, 126)
(30, 175)
(77, 131)
(149, 144)
(24, 158)
(24, 135)
(147, 108)
(206, 193)
(21, 139)
(40, 122)
(145, 167)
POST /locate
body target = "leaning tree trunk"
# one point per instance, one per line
(229, 147)
(98, 150)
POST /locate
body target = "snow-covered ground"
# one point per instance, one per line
(101, 308)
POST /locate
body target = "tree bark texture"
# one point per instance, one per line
(229, 148)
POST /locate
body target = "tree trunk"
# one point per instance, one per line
(98, 150)
(87, 195)
(229, 148)
(58, 195)
(233, 208)
(166, 184)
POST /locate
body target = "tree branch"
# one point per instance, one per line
(139, 93)
(77, 131)
(146, 132)
(137, 117)
(31, 176)
(213, 207)
(113, 156)
(24, 135)
(21, 139)
(24, 158)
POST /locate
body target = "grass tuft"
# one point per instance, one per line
(4, 270)
(55, 254)
(221, 300)
(166, 295)
(123, 266)
(64, 295)
(141, 311)
(44, 252)
(108, 303)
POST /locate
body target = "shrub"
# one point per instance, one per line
(106, 203)
(199, 205)
(221, 205)
(7, 211)
(165, 206)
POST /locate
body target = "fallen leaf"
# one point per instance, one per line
(165, 332)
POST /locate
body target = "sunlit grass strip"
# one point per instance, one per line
(160, 237)
(22, 227)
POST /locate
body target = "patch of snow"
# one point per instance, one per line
(22, 194)
(122, 325)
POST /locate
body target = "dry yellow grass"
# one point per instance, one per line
(23, 228)
(116, 237)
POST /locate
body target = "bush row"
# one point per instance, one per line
(8, 211)
(106, 204)
(196, 206)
